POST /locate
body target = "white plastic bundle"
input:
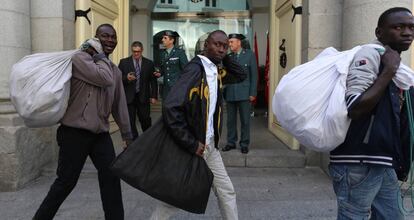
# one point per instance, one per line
(40, 87)
(309, 101)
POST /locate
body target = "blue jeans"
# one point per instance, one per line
(365, 191)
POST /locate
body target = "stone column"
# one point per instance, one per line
(360, 20)
(321, 28)
(322, 22)
(15, 22)
(53, 27)
(141, 25)
(28, 25)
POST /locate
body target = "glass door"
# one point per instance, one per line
(193, 28)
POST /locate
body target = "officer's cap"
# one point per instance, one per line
(170, 33)
(237, 36)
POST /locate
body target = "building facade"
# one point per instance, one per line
(299, 29)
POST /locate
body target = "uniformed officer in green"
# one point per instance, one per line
(173, 61)
(239, 96)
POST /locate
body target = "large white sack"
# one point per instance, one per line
(40, 87)
(309, 101)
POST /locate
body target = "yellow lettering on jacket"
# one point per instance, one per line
(193, 90)
(206, 93)
(222, 72)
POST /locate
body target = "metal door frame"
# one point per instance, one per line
(165, 16)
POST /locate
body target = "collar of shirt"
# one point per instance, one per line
(168, 50)
(139, 61)
(239, 51)
(210, 65)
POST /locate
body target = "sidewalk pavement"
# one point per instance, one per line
(262, 193)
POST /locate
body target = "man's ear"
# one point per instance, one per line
(378, 32)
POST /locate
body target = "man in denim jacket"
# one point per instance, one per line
(366, 167)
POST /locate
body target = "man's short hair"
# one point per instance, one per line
(137, 44)
(214, 32)
(104, 25)
(383, 17)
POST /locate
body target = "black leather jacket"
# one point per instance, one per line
(185, 109)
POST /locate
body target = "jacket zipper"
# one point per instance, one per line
(366, 138)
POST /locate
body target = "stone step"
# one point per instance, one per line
(88, 169)
(261, 158)
(256, 158)
(156, 107)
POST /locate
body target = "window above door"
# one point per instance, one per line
(200, 5)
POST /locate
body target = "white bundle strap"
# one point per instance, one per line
(404, 78)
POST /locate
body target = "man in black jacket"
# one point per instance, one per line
(140, 87)
(193, 115)
(365, 168)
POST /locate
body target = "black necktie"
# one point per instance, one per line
(137, 74)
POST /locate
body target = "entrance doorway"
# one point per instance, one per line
(193, 20)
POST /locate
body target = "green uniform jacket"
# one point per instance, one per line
(172, 66)
(241, 91)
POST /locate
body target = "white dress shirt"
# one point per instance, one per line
(211, 74)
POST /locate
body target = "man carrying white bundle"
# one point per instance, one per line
(366, 167)
(96, 91)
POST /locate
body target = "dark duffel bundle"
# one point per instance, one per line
(156, 165)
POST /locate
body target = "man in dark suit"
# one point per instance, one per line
(140, 87)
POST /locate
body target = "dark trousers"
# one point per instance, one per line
(142, 110)
(75, 146)
(244, 111)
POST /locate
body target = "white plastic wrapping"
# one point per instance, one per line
(309, 101)
(40, 87)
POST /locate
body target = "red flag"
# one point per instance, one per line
(256, 53)
(266, 73)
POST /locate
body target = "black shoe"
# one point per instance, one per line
(228, 147)
(244, 150)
